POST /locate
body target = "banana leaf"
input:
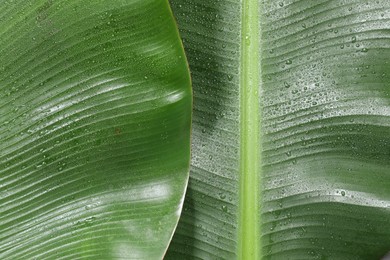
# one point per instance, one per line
(291, 130)
(95, 114)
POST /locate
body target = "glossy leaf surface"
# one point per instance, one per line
(95, 110)
(323, 126)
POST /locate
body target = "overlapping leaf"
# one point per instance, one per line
(95, 108)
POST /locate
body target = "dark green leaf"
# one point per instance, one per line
(321, 188)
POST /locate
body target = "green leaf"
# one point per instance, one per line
(291, 130)
(95, 114)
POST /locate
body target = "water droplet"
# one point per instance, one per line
(294, 161)
(286, 84)
(88, 207)
(288, 62)
(247, 40)
(353, 39)
(224, 208)
(342, 193)
(90, 220)
(364, 50)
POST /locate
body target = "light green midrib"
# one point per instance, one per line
(249, 217)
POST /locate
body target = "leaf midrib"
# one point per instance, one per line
(250, 160)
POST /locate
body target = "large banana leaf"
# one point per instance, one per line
(95, 110)
(291, 130)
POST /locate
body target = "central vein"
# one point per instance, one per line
(249, 222)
